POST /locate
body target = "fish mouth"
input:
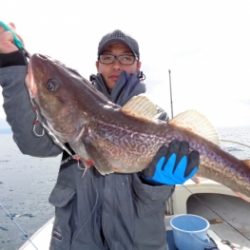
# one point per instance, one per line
(37, 60)
(30, 83)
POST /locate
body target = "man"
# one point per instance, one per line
(116, 211)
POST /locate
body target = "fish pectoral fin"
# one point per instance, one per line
(101, 163)
(197, 123)
(141, 106)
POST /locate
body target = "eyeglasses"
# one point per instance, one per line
(122, 59)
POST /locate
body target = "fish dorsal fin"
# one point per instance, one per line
(141, 106)
(196, 123)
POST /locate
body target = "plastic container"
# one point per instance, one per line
(190, 232)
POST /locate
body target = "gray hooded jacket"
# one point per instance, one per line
(115, 212)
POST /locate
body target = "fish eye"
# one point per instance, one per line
(52, 85)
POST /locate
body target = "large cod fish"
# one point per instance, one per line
(123, 139)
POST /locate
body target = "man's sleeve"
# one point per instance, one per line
(20, 114)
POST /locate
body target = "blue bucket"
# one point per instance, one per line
(190, 232)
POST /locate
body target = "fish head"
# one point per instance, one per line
(53, 88)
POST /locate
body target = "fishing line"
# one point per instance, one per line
(205, 204)
(92, 212)
(11, 217)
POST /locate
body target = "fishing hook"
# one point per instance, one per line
(35, 130)
(39, 120)
(35, 122)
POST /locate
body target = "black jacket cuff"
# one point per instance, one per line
(13, 59)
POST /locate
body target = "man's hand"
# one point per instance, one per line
(11, 47)
(172, 165)
(6, 41)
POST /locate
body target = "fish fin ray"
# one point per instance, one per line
(141, 106)
(100, 162)
(197, 123)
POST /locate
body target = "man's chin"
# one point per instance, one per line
(111, 84)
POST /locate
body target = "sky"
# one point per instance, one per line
(204, 43)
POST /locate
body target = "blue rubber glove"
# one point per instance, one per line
(172, 165)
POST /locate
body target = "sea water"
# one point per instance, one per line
(25, 184)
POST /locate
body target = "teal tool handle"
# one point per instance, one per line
(16, 40)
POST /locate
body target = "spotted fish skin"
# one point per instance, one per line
(118, 139)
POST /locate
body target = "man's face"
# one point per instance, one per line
(112, 71)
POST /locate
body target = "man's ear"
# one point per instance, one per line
(97, 65)
(138, 65)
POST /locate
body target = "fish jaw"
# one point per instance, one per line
(57, 106)
(29, 81)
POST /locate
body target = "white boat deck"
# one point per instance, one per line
(229, 216)
(230, 221)
(40, 240)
